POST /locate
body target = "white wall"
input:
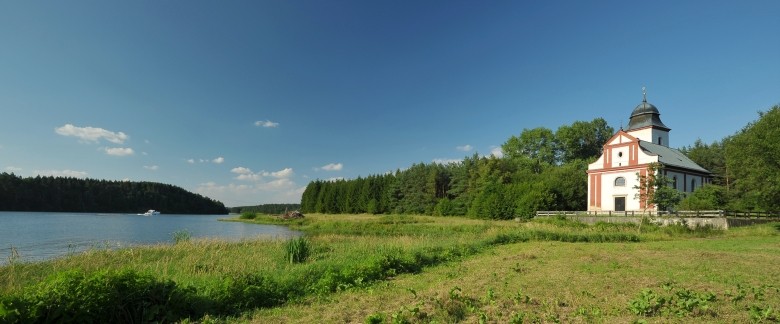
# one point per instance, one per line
(651, 135)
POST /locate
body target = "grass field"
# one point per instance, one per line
(397, 269)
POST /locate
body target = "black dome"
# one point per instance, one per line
(644, 115)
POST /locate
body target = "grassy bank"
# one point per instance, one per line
(420, 269)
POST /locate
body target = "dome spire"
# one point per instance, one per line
(644, 94)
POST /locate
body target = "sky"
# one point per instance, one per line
(247, 102)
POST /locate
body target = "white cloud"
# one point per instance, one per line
(276, 191)
(497, 152)
(446, 161)
(464, 148)
(241, 170)
(13, 169)
(332, 167)
(284, 173)
(151, 167)
(119, 151)
(247, 174)
(266, 124)
(91, 134)
(217, 160)
(61, 173)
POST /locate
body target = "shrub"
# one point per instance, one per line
(182, 236)
(104, 297)
(297, 250)
(248, 215)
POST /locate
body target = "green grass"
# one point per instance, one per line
(420, 269)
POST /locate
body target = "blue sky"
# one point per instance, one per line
(248, 101)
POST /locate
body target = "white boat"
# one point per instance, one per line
(150, 212)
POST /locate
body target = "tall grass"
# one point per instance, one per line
(227, 278)
(297, 250)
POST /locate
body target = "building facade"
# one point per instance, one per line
(614, 178)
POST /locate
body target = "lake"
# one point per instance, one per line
(38, 236)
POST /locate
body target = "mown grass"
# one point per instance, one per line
(367, 267)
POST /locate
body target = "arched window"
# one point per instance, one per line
(693, 185)
(659, 140)
(620, 182)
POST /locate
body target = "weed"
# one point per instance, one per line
(297, 250)
(375, 318)
(248, 215)
(182, 236)
(14, 256)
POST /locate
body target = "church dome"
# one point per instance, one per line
(644, 115)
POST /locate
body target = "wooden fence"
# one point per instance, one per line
(679, 213)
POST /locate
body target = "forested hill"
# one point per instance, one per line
(92, 196)
(266, 208)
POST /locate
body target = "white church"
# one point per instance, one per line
(612, 178)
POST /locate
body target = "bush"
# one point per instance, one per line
(182, 236)
(297, 250)
(104, 297)
(248, 215)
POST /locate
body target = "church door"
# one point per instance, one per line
(620, 203)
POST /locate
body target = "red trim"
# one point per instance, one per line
(598, 191)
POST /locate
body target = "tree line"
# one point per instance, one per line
(541, 169)
(544, 169)
(746, 168)
(266, 208)
(65, 194)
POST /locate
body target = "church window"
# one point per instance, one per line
(693, 185)
(659, 140)
(674, 182)
(620, 182)
(620, 154)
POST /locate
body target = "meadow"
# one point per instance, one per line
(411, 269)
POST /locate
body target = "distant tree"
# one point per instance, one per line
(708, 197)
(537, 144)
(752, 157)
(711, 157)
(582, 140)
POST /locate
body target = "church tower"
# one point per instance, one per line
(613, 179)
(645, 123)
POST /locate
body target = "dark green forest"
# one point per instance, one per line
(541, 170)
(544, 169)
(100, 196)
(266, 208)
(746, 168)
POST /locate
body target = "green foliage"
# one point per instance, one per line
(541, 170)
(680, 303)
(93, 196)
(297, 250)
(103, 297)
(265, 208)
(653, 188)
(752, 157)
(182, 236)
(708, 197)
(537, 144)
(248, 215)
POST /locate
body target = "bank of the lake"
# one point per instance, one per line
(37, 236)
(420, 269)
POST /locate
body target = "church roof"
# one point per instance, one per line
(670, 156)
(644, 115)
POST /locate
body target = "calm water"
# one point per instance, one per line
(39, 236)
